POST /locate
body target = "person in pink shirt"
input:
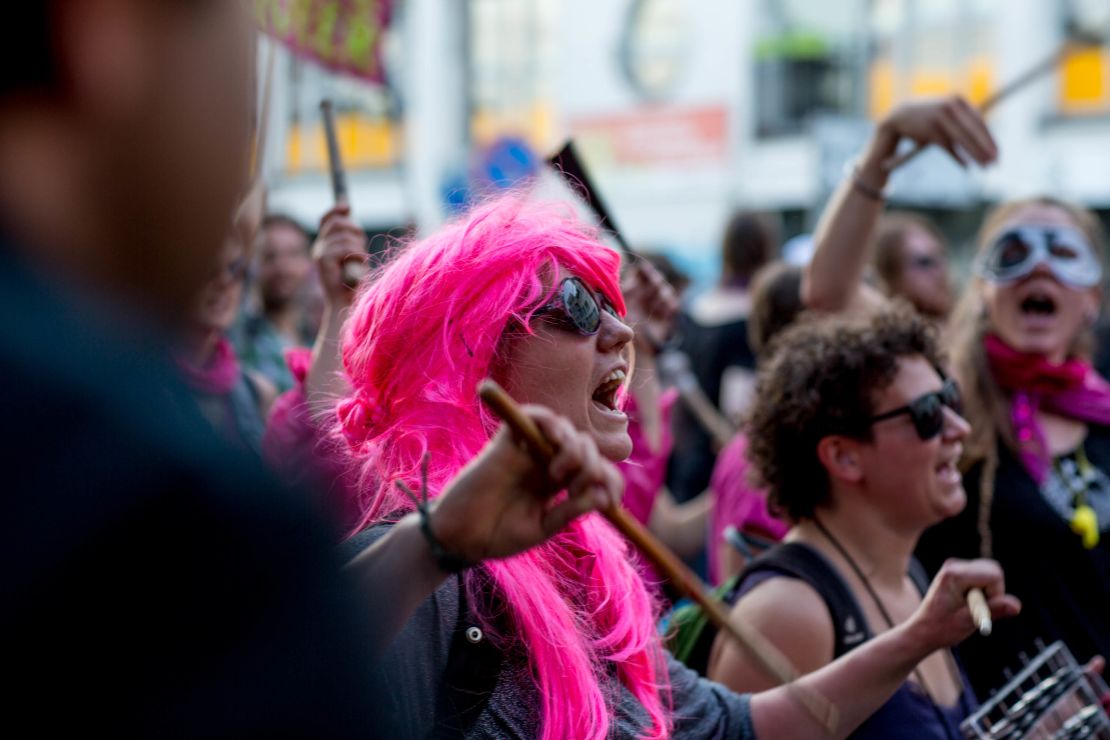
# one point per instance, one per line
(737, 503)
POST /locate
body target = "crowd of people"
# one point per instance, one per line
(252, 498)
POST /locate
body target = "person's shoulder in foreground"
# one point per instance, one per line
(154, 583)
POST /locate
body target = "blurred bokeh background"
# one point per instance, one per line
(683, 109)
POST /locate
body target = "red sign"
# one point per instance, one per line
(657, 136)
(344, 35)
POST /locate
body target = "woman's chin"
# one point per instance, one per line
(615, 447)
(1045, 346)
(1039, 341)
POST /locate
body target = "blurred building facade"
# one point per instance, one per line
(685, 109)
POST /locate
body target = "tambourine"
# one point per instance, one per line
(1052, 697)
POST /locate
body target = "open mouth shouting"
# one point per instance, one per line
(605, 395)
(1038, 304)
(948, 470)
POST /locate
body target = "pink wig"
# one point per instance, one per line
(422, 334)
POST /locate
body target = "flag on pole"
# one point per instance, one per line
(344, 35)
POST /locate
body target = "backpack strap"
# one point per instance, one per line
(918, 575)
(796, 560)
(473, 666)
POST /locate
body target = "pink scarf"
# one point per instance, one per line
(1072, 389)
(218, 375)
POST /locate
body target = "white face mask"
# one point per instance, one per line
(1015, 252)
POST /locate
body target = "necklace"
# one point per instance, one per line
(941, 718)
(1077, 480)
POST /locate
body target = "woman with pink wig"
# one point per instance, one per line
(558, 641)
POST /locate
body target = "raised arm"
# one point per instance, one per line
(833, 280)
(296, 442)
(340, 240)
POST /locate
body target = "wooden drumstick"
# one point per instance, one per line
(764, 653)
(980, 612)
(1030, 75)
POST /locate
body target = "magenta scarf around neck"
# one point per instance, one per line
(218, 375)
(1072, 389)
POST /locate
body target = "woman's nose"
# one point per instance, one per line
(956, 426)
(614, 333)
(1042, 268)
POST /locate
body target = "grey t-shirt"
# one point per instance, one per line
(414, 667)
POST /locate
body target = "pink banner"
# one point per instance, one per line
(344, 35)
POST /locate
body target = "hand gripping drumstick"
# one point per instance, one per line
(765, 654)
(354, 266)
(980, 612)
(1042, 67)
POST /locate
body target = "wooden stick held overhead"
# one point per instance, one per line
(765, 654)
(1042, 67)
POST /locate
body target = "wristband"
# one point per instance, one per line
(447, 561)
(852, 170)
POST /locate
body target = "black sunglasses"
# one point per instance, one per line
(577, 308)
(927, 411)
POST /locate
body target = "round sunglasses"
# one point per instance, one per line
(927, 411)
(1016, 252)
(577, 308)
